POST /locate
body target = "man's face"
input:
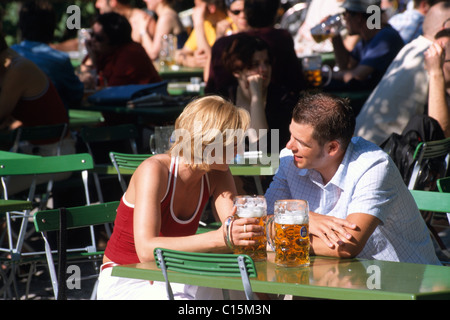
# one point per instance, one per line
(308, 154)
(103, 6)
(352, 22)
(99, 40)
(236, 13)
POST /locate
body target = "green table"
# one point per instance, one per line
(326, 278)
(155, 114)
(180, 73)
(79, 118)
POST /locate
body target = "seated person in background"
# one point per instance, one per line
(249, 59)
(37, 22)
(359, 204)
(205, 16)
(403, 90)
(141, 22)
(317, 11)
(363, 67)
(235, 10)
(286, 68)
(238, 23)
(409, 23)
(28, 98)
(116, 58)
(437, 63)
(166, 196)
(168, 23)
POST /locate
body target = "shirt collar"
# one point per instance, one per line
(339, 177)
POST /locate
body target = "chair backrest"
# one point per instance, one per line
(429, 150)
(432, 201)
(44, 165)
(110, 133)
(35, 165)
(77, 217)
(211, 264)
(126, 161)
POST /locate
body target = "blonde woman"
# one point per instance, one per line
(166, 197)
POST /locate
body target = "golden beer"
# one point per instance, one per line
(314, 77)
(253, 207)
(288, 233)
(320, 37)
(291, 245)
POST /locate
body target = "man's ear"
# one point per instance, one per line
(333, 147)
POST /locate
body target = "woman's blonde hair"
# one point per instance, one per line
(208, 123)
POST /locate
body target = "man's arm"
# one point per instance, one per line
(331, 237)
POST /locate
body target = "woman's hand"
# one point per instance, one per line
(242, 229)
(255, 86)
(331, 230)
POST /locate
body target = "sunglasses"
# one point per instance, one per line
(236, 12)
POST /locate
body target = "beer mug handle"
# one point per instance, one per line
(327, 69)
(152, 144)
(269, 231)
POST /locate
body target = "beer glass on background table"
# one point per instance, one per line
(161, 140)
(288, 233)
(314, 70)
(253, 207)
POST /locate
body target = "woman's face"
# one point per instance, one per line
(260, 65)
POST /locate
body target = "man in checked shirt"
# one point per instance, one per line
(359, 204)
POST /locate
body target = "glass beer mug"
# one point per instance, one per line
(328, 28)
(252, 207)
(288, 233)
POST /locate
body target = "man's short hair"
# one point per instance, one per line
(331, 117)
(116, 27)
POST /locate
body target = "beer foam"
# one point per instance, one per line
(251, 212)
(294, 217)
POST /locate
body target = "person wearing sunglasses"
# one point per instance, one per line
(205, 16)
(238, 23)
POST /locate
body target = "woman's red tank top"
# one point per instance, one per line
(121, 247)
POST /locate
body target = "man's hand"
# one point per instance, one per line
(332, 231)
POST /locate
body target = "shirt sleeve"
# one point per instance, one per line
(279, 187)
(376, 191)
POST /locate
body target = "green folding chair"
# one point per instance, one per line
(429, 150)
(61, 220)
(126, 162)
(35, 166)
(443, 185)
(211, 264)
(432, 202)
